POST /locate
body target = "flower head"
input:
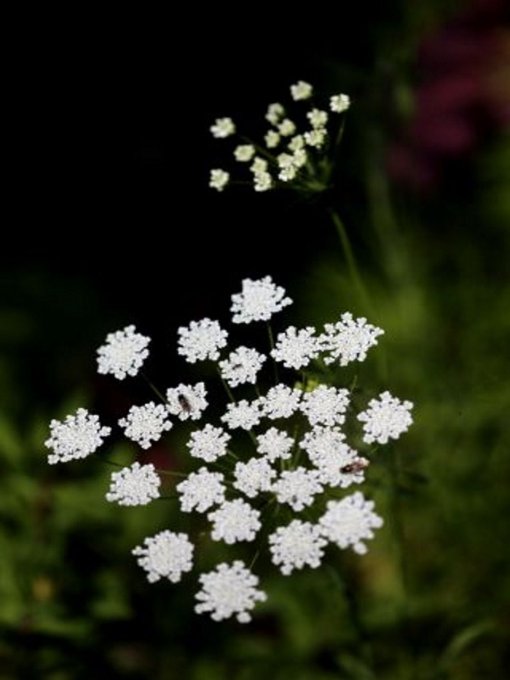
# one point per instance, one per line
(187, 401)
(165, 555)
(242, 366)
(339, 103)
(297, 487)
(234, 521)
(280, 401)
(275, 444)
(349, 522)
(348, 339)
(325, 405)
(272, 139)
(218, 179)
(201, 340)
(296, 545)
(244, 153)
(145, 424)
(209, 443)
(201, 490)
(301, 90)
(229, 590)
(385, 418)
(317, 118)
(295, 348)
(76, 437)
(243, 414)
(134, 485)
(275, 112)
(223, 127)
(258, 301)
(254, 476)
(123, 353)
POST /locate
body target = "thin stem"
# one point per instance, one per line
(227, 388)
(351, 262)
(153, 387)
(272, 346)
(171, 473)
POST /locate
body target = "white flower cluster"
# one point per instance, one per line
(289, 155)
(296, 456)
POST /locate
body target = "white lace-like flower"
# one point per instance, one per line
(242, 366)
(296, 545)
(338, 465)
(244, 153)
(280, 401)
(134, 485)
(201, 340)
(296, 348)
(76, 437)
(348, 340)
(325, 405)
(123, 353)
(275, 112)
(287, 127)
(218, 179)
(297, 143)
(165, 555)
(317, 118)
(223, 127)
(254, 476)
(339, 103)
(301, 90)
(229, 590)
(316, 138)
(209, 443)
(145, 424)
(234, 521)
(297, 487)
(243, 414)
(259, 165)
(271, 139)
(262, 181)
(349, 522)
(385, 418)
(258, 300)
(275, 444)
(187, 401)
(201, 490)
(290, 164)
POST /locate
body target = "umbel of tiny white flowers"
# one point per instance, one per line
(287, 156)
(299, 454)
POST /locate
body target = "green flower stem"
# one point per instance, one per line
(153, 388)
(272, 346)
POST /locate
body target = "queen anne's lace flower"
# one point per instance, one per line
(187, 401)
(201, 490)
(325, 405)
(275, 444)
(218, 179)
(244, 153)
(287, 127)
(258, 301)
(201, 340)
(337, 463)
(301, 90)
(296, 348)
(297, 143)
(349, 522)
(229, 590)
(243, 414)
(145, 424)
(297, 487)
(165, 555)
(209, 443)
(272, 139)
(280, 401)
(123, 353)
(259, 165)
(296, 545)
(242, 366)
(339, 103)
(254, 476)
(76, 437)
(275, 112)
(262, 181)
(348, 340)
(134, 485)
(385, 418)
(234, 521)
(316, 138)
(317, 118)
(223, 127)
